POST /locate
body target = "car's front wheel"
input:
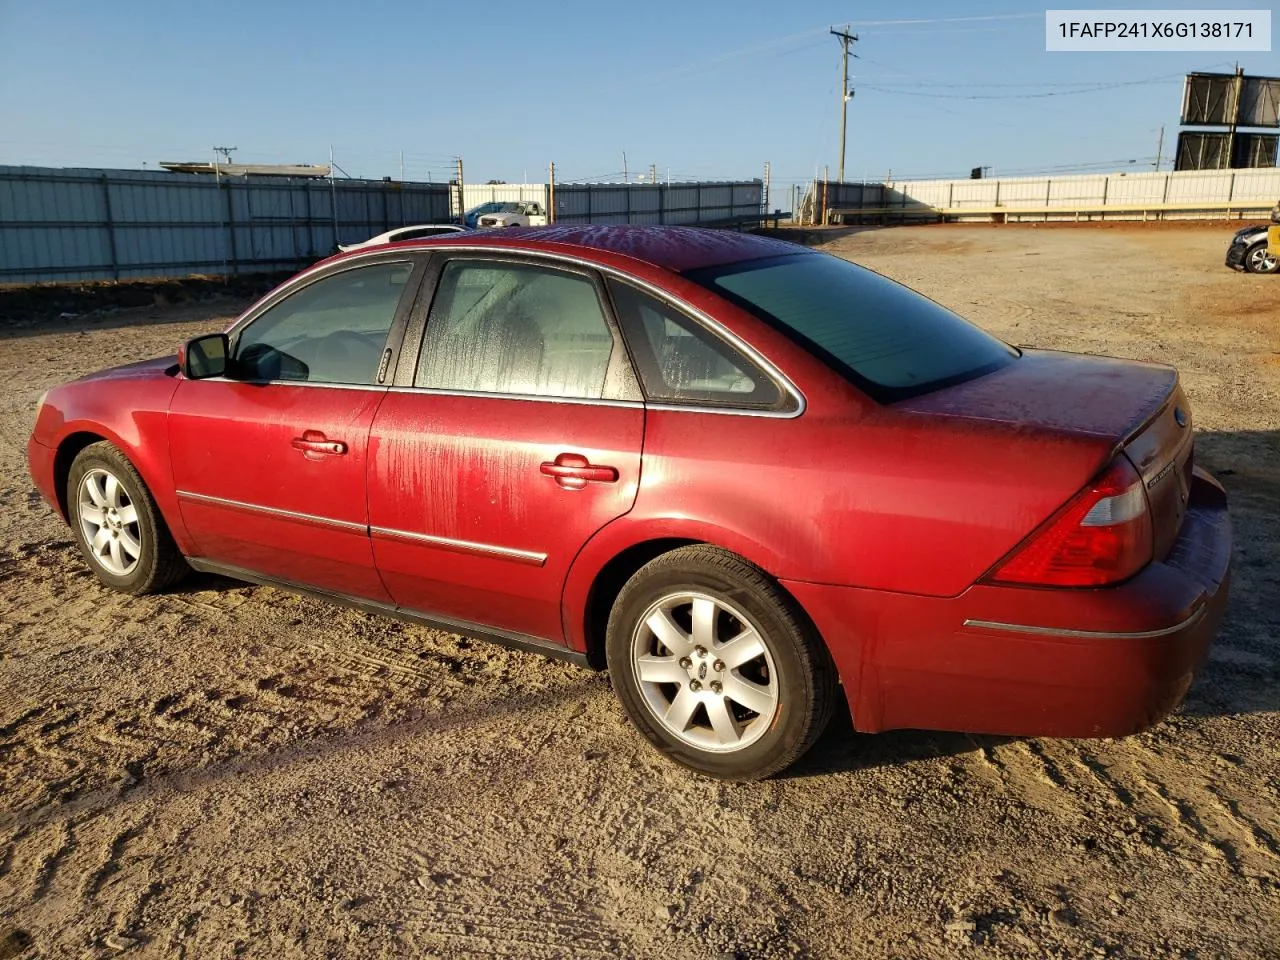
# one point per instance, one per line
(119, 530)
(714, 664)
(1257, 260)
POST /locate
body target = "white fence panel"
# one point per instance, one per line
(1137, 188)
(970, 193)
(1122, 195)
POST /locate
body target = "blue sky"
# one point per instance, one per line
(699, 89)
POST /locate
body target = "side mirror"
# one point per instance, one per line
(204, 357)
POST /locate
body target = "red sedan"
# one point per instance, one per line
(737, 472)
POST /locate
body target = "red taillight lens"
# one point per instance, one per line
(1102, 536)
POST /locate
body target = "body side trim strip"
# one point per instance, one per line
(464, 546)
(274, 511)
(1088, 634)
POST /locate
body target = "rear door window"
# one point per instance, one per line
(511, 328)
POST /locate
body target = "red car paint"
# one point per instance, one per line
(883, 521)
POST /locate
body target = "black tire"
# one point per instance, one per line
(1256, 259)
(795, 665)
(159, 563)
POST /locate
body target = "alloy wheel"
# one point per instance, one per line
(109, 522)
(705, 671)
(1261, 261)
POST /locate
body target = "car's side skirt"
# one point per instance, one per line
(507, 638)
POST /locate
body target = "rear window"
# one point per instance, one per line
(889, 340)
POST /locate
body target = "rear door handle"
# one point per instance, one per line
(314, 445)
(574, 471)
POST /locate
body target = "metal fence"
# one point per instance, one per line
(715, 203)
(73, 224)
(1189, 194)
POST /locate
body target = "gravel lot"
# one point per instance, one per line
(228, 770)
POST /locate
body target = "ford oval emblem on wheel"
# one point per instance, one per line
(1180, 416)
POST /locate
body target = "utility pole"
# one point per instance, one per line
(402, 166)
(826, 186)
(764, 193)
(653, 173)
(217, 178)
(333, 196)
(624, 167)
(845, 38)
(551, 192)
(1160, 148)
(462, 204)
(226, 154)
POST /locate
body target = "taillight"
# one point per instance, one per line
(1102, 536)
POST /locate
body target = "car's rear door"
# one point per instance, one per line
(512, 435)
(270, 462)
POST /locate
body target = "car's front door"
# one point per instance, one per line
(270, 461)
(511, 438)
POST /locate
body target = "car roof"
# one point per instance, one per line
(671, 248)
(422, 226)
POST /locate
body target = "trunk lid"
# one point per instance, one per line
(1134, 406)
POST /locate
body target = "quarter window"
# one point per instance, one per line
(515, 329)
(679, 360)
(330, 331)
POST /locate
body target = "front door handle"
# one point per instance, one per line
(314, 445)
(574, 471)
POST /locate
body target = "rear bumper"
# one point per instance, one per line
(40, 461)
(1035, 662)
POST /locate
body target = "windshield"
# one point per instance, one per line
(884, 337)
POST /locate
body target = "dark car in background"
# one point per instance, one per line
(1248, 250)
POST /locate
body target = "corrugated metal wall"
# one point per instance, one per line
(71, 224)
(710, 203)
(1069, 197)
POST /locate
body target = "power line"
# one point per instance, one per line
(994, 16)
(1016, 96)
(1084, 166)
(958, 86)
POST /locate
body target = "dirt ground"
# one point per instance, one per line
(228, 770)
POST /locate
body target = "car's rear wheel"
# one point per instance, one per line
(119, 530)
(1257, 260)
(714, 664)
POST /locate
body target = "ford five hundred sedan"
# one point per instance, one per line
(751, 480)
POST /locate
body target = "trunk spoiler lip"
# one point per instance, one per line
(966, 401)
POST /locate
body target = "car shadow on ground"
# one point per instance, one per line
(841, 749)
